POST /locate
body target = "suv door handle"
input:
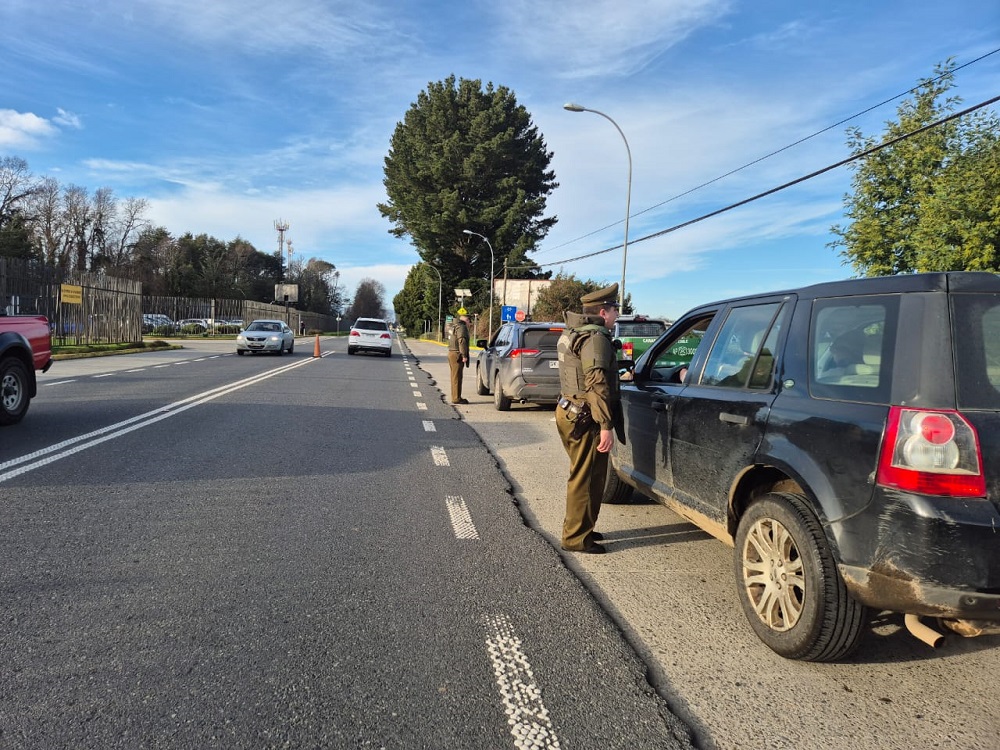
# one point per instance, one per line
(733, 418)
(660, 405)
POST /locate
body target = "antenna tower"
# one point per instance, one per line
(281, 226)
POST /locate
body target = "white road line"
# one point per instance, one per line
(421, 406)
(526, 714)
(417, 394)
(157, 367)
(141, 369)
(58, 382)
(82, 442)
(461, 520)
(429, 426)
(104, 375)
(440, 457)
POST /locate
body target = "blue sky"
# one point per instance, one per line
(229, 114)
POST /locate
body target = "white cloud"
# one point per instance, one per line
(584, 38)
(67, 119)
(23, 129)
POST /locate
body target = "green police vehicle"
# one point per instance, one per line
(637, 333)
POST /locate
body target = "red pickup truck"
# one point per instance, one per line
(25, 346)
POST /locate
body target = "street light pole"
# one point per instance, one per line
(628, 195)
(440, 285)
(489, 336)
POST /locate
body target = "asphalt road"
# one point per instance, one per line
(202, 550)
(671, 589)
(663, 598)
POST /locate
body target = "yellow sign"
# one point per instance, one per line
(462, 311)
(71, 294)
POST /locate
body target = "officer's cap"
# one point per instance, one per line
(606, 296)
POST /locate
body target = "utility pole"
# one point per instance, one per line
(281, 227)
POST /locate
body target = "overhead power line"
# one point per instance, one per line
(772, 191)
(780, 150)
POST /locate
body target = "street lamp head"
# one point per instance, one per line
(467, 231)
(574, 107)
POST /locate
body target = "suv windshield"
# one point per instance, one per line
(646, 328)
(535, 338)
(371, 325)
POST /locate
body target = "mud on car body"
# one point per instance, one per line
(844, 439)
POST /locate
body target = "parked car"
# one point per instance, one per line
(521, 364)
(637, 333)
(843, 438)
(153, 322)
(370, 335)
(266, 336)
(192, 325)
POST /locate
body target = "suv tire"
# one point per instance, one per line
(616, 491)
(501, 401)
(481, 387)
(788, 584)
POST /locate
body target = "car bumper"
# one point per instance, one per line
(267, 346)
(931, 556)
(532, 393)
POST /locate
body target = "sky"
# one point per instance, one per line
(228, 115)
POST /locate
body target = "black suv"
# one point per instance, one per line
(520, 364)
(844, 439)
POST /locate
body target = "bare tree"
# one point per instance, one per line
(17, 185)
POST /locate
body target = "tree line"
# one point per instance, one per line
(70, 228)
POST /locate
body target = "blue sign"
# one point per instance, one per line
(507, 313)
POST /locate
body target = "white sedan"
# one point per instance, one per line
(266, 336)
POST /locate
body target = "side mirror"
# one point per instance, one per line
(481, 343)
(617, 344)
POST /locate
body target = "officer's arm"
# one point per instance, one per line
(595, 355)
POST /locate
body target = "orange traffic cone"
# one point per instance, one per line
(316, 349)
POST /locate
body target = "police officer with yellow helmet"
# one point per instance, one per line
(589, 413)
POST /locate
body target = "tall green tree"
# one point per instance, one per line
(418, 300)
(369, 300)
(468, 157)
(928, 202)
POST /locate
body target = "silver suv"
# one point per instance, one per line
(520, 364)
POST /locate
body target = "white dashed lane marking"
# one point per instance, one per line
(461, 520)
(429, 426)
(440, 457)
(421, 406)
(527, 716)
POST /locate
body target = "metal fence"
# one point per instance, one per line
(110, 310)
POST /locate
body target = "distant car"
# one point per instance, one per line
(370, 335)
(521, 364)
(199, 324)
(637, 333)
(266, 336)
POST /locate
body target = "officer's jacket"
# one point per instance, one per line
(588, 370)
(458, 339)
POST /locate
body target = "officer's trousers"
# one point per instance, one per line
(588, 471)
(454, 360)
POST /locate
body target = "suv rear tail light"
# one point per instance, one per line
(627, 349)
(355, 333)
(931, 452)
(385, 336)
(518, 352)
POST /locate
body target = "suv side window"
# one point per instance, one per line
(849, 342)
(743, 354)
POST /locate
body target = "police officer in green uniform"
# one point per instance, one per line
(458, 355)
(589, 413)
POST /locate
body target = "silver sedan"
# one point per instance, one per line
(266, 336)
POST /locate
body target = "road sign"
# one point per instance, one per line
(519, 316)
(507, 313)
